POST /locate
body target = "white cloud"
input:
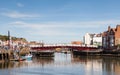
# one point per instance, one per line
(61, 30)
(52, 29)
(15, 14)
(54, 25)
(48, 29)
(87, 24)
(20, 5)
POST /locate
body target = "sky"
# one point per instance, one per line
(57, 21)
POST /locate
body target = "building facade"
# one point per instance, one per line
(77, 42)
(97, 40)
(117, 35)
(93, 39)
(111, 38)
(88, 39)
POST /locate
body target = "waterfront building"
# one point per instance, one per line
(1, 42)
(93, 39)
(97, 39)
(76, 42)
(35, 43)
(88, 39)
(111, 38)
(117, 35)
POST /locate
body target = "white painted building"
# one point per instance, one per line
(88, 39)
(93, 39)
(97, 40)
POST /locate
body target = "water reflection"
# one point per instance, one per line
(104, 65)
(9, 65)
(43, 60)
(63, 64)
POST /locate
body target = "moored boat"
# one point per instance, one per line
(88, 52)
(43, 53)
(27, 56)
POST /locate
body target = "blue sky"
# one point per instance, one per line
(57, 21)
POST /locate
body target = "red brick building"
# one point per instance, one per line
(76, 42)
(111, 37)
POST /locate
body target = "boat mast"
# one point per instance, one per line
(9, 39)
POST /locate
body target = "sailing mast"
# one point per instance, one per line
(9, 40)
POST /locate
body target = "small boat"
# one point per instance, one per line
(28, 57)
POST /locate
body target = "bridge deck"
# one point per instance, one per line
(70, 47)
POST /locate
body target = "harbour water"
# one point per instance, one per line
(63, 64)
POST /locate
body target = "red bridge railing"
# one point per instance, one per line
(70, 47)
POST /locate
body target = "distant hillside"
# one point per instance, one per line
(5, 38)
